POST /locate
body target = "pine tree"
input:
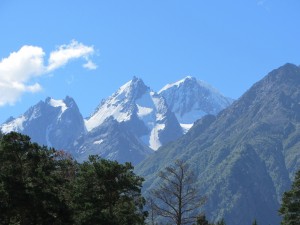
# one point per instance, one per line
(254, 222)
(201, 220)
(106, 192)
(221, 222)
(31, 186)
(290, 207)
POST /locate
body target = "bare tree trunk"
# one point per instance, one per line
(177, 196)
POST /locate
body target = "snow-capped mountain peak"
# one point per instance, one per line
(34, 112)
(51, 122)
(13, 124)
(178, 83)
(126, 126)
(190, 99)
(120, 105)
(141, 110)
(132, 90)
(58, 103)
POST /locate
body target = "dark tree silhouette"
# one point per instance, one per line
(106, 192)
(290, 206)
(32, 183)
(177, 197)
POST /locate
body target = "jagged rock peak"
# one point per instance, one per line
(133, 89)
(48, 108)
(285, 79)
(66, 102)
(189, 82)
(186, 80)
(256, 137)
(119, 105)
(56, 103)
(190, 99)
(285, 73)
(69, 101)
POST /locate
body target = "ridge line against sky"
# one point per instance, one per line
(88, 49)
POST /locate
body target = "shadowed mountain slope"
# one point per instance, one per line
(246, 156)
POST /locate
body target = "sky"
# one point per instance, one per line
(88, 49)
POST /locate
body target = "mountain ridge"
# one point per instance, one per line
(145, 119)
(190, 99)
(244, 156)
(49, 123)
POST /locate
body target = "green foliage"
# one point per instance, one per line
(41, 186)
(290, 207)
(254, 222)
(254, 141)
(201, 220)
(107, 192)
(32, 185)
(221, 222)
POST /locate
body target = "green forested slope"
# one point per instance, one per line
(245, 157)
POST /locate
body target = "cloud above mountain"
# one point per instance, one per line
(65, 53)
(19, 70)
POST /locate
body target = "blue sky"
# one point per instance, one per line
(88, 49)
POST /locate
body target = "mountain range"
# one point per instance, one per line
(244, 152)
(246, 156)
(127, 126)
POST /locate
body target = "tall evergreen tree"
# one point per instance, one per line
(221, 222)
(106, 192)
(290, 207)
(201, 220)
(32, 188)
(254, 222)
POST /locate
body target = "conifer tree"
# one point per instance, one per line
(254, 222)
(221, 222)
(290, 207)
(106, 192)
(201, 220)
(32, 188)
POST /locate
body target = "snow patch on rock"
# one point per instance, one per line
(14, 125)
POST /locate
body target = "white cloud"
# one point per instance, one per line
(18, 70)
(65, 53)
(22, 65)
(90, 65)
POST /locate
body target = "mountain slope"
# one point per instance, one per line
(129, 125)
(55, 123)
(142, 112)
(112, 140)
(246, 156)
(191, 99)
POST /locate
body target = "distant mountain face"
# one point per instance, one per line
(141, 111)
(127, 126)
(55, 123)
(191, 99)
(112, 140)
(246, 156)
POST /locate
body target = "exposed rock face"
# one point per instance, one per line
(191, 99)
(246, 156)
(55, 123)
(142, 111)
(127, 126)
